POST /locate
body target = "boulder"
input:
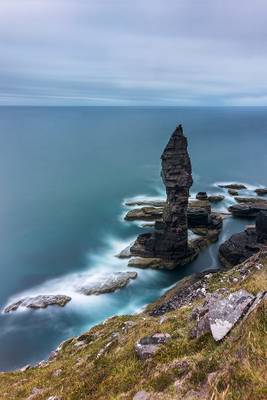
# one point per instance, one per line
(40, 301)
(147, 346)
(224, 313)
(106, 283)
(235, 186)
(219, 314)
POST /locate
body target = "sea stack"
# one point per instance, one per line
(169, 241)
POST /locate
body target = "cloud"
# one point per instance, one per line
(102, 52)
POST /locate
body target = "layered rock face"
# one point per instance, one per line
(170, 239)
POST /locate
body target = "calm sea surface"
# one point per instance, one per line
(64, 174)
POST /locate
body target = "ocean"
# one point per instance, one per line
(65, 173)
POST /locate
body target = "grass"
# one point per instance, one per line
(233, 369)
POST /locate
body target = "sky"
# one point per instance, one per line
(133, 52)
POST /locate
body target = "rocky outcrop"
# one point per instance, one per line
(233, 192)
(234, 186)
(215, 198)
(243, 245)
(248, 209)
(169, 240)
(144, 214)
(251, 200)
(261, 191)
(198, 213)
(41, 301)
(107, 284)
(219, 314)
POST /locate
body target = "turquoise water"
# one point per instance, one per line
(64, 174)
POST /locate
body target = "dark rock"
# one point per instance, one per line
(243, 245)
(215, 198)
(235, 186)
(247, 210)
(197, 214)
(261, 191)
(202, 196)
(261, 226)
(171, 241)
(147, 346)
(107, 283)
(239, 247)
(233, 192)
(251, 200)
(41, 301)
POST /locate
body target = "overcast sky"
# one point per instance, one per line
(133, 52)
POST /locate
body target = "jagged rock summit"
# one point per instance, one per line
(169, 241)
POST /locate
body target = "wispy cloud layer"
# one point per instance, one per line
(122, 52)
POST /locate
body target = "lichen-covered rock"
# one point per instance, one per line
(224, 313)
(41, 301)
(107, 283)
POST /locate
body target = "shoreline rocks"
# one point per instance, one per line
(261, 191)
(215, 198)
(243, 245)
(37, 302)
(234, 186)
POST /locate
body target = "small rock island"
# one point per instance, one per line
(167, 246)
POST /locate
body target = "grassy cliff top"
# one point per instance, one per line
(102, 363)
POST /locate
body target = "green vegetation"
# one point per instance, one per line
(102, 364)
